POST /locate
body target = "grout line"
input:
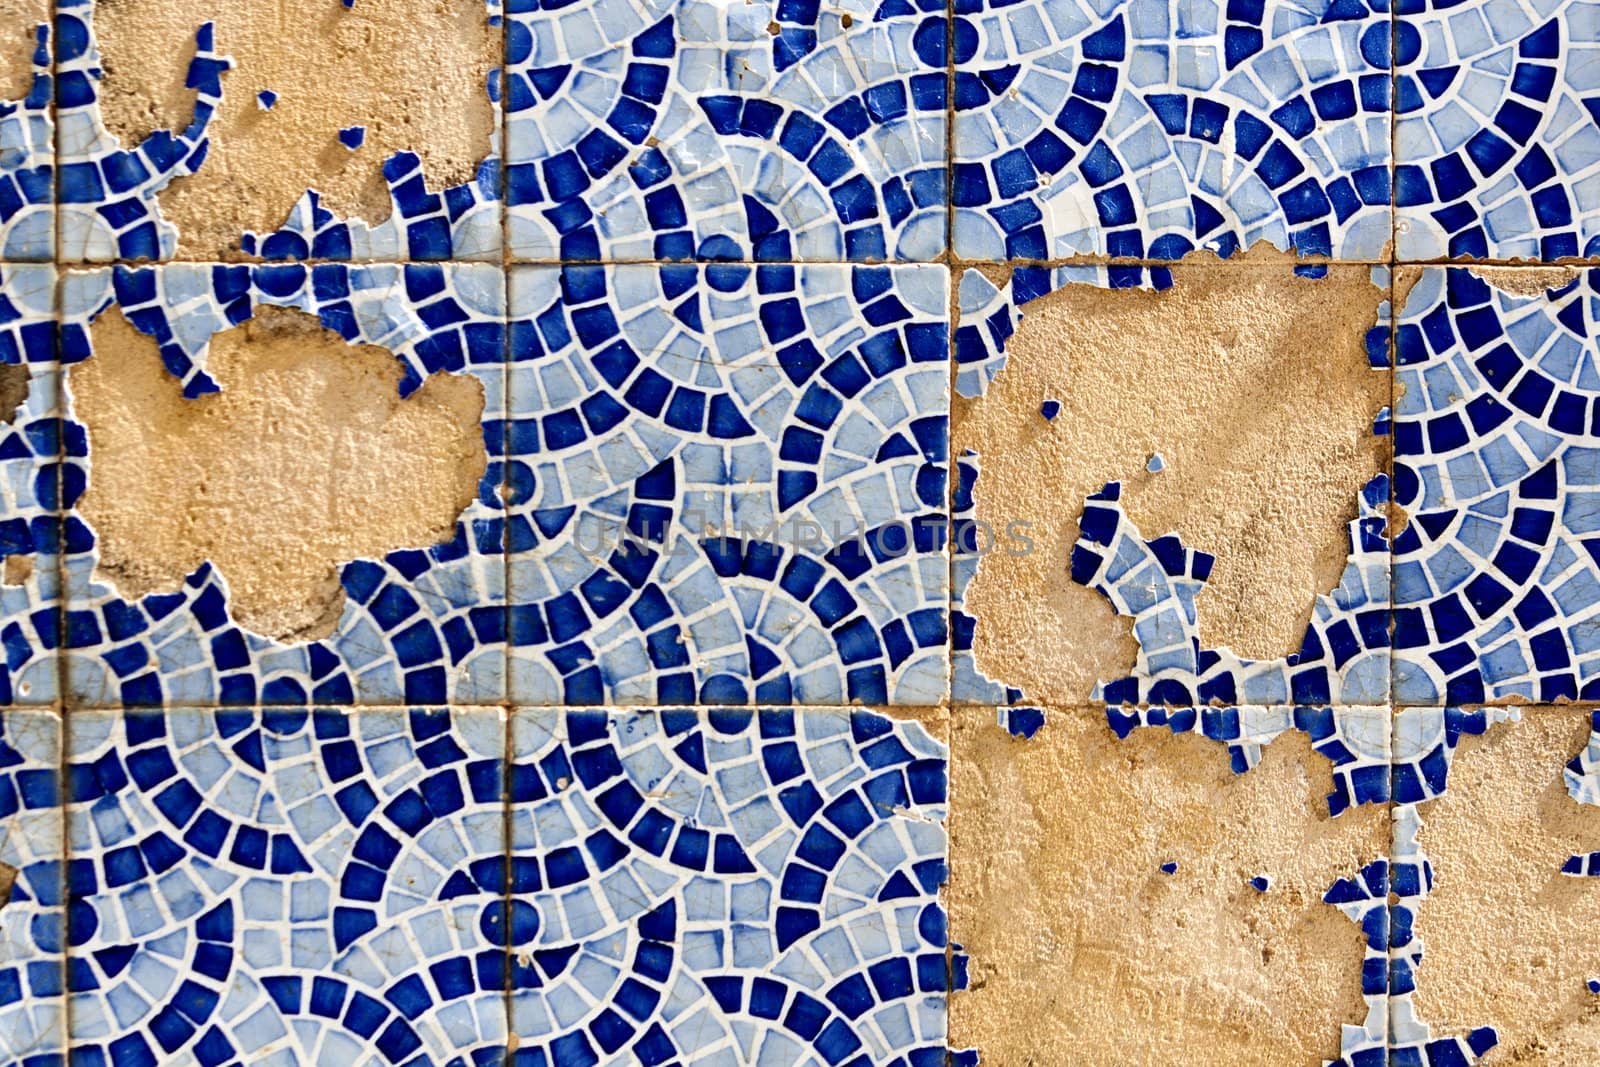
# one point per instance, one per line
(1394, 98)
(950, 261)
(506, 261)
(62, 696)
(889, 710)
(952, 297)
(507, 711)
(1394, 360)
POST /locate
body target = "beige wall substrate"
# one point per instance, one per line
(414, 74)
(306, 459)
(1509, 940)
(1083, 952)
(19, 19)
(1246, 379)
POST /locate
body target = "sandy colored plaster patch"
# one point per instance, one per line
(1509, 940)
(1525, 281)
(307, 459)
(1083, 952)
(1252, 384)
(15, 383)
(414, 74)
(935, 720)
(19, 19)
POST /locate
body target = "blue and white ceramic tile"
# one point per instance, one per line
(696, 130)
(720, 477)
(1497, 129)
(727, 484)
(286, 887)
(32, 481)
(1496, 583)
(290, 886)
(733, 886)
(1145, 129)
(1343, 657)
(1582, 776)
(27, 164)
(33, 926)
(458, 222)
(425, 623)
(1383, 898)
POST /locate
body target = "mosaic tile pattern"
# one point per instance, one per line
(727, 484)
(1148, 129)
(27, 176)
(106, 192)
(699, 131)
(299, 884)
(774, 899)
(33, 923)
(592, 781)
(1344, 657)
(1493, 578)
(31, 489)
(1497, 153)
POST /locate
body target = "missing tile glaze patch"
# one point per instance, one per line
(1510, 941)
(306, 459)
(1212, 375)
(1124, 963)
(1525, 281)
(15, 380)
(415, 75)
(19, 20)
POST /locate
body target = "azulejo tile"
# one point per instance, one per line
(727, 484)
(1148, 129)
(31, 485)
(1497, 154)
(733, 886)
(456, 223)
(422, 622)
(33, 927)
(27, 166)
(429, 885)
(767, 131)
(286, 886)
(1495, 578)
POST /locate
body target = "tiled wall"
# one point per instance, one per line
(680, 743)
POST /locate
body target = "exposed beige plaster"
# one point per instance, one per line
(935, 720)
(1509, 940)
(1525, 281)
(1253, 385)
(8, 878)
(15, 383)
(413, 73)
(1084, 953)
(18, 21)
(308, 458)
